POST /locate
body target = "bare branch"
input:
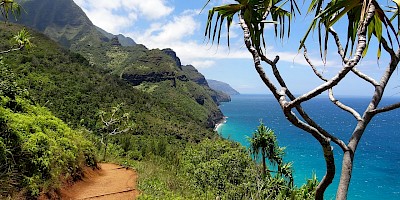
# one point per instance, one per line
(386, 108)
(388, 49)
(379, 90)
(395, 58)
(344, 107)
(303, 114)
(341, 51)
(312, 66)
(10, 50)
(365, 77)
(327, 149)
(331, 96)
(116, 131)
(361, 45)
(342, 54)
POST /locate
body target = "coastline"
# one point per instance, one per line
(220, 123)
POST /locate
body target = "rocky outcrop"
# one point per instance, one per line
(200, 99)
(124, 41)
(214, 118)
(219, 96)
(172, 54)
(153, 77)
(194, 75)
(115, 41)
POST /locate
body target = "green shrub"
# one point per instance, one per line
(219, 166)
(40, 146)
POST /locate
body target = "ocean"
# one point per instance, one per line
(376, 172)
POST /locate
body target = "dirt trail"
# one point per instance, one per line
(111, 182)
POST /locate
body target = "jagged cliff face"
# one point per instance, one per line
(124, 41)
(172, 54)
(191, 72)
(194, 75)
(153, 77)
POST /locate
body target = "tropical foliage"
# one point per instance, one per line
(264, 141)
(212, 169)
(255, 14)
(37, 149)
(8, 7)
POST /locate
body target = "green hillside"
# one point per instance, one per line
(75, 91)
(136, 64)
(38, 151)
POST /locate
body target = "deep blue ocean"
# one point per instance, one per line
(376, 172)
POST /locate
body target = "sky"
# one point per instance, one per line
(180, 25)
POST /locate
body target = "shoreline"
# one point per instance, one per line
(220, 123)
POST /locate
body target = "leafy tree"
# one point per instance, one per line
(219, 167)
(264, 141)
(365, 19)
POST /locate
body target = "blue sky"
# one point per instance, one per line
(179, 25)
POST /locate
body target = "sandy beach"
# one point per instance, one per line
(220, 123)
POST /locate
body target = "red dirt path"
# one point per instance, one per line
(111, 182)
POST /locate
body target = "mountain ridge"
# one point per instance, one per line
(124, 41)
(222, 86)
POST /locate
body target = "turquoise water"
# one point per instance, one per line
(376, 172)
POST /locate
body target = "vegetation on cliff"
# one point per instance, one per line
(37, 149)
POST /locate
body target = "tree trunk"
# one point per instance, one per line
(347, 168)
(264, 172)
(330, 171)
(105, 150)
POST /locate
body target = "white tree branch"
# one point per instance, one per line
(10, 50)
(386, 108)
(338, 44)
(343, 106)
(365, 77)
(361, 45)
(256, 58)
(308, 60)
(330, 91)
(342, 54)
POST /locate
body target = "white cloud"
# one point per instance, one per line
(118, 15)
(175, 30)
(113, 23)
(203, 64)
(152, 9)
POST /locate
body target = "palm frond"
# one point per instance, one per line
(356, 10)
(8, 7)
(255, 13)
